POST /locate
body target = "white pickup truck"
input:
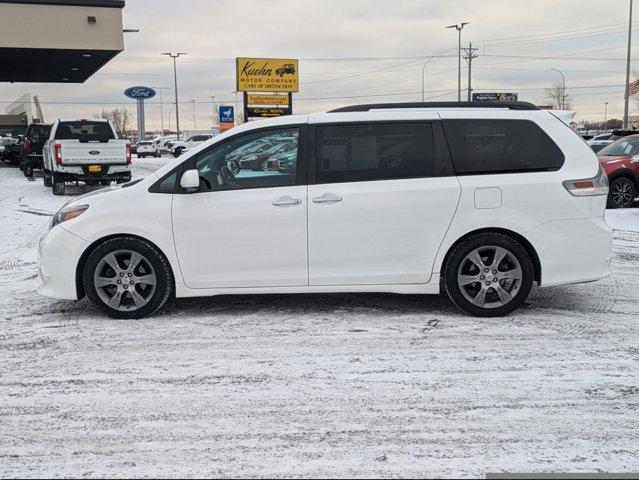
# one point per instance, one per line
(85, 150)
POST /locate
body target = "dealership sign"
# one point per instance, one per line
(140, 93)
(226, 114)
(267, 75)
(495, 97)
(255, 99)
(266, 112)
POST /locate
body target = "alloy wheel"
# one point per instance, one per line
(622, 193)
(489, 276)
(125, 280)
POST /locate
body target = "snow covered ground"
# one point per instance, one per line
(312, 385)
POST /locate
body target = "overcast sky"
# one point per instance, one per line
(357, 50)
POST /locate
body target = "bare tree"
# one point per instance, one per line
(119, 117)
(559, 96)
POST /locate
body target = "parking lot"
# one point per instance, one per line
(312, 385)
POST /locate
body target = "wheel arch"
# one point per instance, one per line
(625, 172)
(530, 249)
(79, 269)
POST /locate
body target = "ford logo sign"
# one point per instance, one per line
(94, 152)
(140, 93)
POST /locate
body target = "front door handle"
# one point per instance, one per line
(327, 198)
(286, 200)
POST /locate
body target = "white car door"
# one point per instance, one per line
(243, 230)
(377, 214)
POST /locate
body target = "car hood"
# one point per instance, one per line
(82, 199)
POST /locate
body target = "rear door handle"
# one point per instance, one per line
(327, 198)
(286, 200)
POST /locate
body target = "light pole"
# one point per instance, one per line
(424, 72)
(605, 115)
(627, 97)
(194, 123)
(214, 115)
(459, 29)
(563, 88)
(174, 56)
(162, 107)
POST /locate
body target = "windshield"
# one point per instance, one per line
(87, 130)
(624, 146)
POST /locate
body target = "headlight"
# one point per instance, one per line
(67, 213)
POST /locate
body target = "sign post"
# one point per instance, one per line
(140, 94)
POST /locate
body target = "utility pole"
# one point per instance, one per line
(470, 54)
(605, 115)
(459, 29)
(174, 56)
(627, 97)
(194, 123)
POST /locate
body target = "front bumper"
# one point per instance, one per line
(59, 252)
(573, 251)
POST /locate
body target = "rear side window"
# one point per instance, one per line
(84, 130)
(39, 133)
(377, 151)
(501, 146)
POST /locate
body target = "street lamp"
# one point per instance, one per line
(162, 107)
(174, 56)
(459, 29)
(194, 124)
(563, 88)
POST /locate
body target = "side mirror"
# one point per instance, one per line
(190, 181)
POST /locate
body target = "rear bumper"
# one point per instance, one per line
(59, 251)
(573, 251)
(113, 171)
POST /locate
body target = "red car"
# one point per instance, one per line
(620, 160)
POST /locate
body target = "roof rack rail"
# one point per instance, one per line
(381, 106)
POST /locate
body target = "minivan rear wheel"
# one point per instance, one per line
(488, 275)
(127, 277)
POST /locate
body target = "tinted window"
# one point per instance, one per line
(379, 151)
(500, 146)
(625, 146)
(84, 130)
(39, 133)
(200, 138)
(258, 160)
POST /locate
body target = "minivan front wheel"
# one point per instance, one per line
(127, 277)
(489, 275)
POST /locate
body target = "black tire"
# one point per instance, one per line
(57, 184)
(157, 155)
(622, 194)
(178, 152)
(28, 170)
(105, 183)
(158, 262)
(457, 260)
(46, 178)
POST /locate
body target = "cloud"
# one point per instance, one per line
(383, 44)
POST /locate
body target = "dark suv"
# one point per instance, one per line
(31, 147)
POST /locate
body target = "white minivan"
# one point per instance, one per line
(478, 199)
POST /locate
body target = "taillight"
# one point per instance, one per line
(586, 187)
(128, 152)
(58, 153)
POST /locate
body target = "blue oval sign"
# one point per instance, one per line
(140, 93)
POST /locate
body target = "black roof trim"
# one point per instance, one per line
(378, 106)
(73, 3)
